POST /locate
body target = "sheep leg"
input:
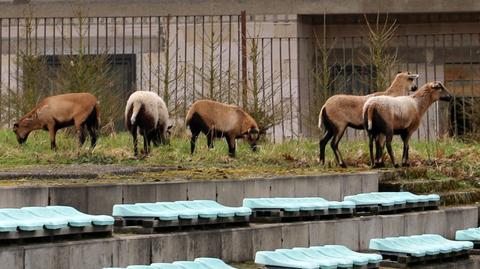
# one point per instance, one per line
(146, 142)
(323, 143)
(379, 144)
(370, 148)
(80, 134)
(193, 141)
(390, 150)
(334, 145)
(93, 136)
(406, 147)
(231, 145)
(210, 135)
(52, 131)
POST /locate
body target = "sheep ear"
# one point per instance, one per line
(413, 76)
(437, 85)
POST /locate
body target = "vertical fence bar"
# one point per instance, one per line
(464, 115)
(17, 52)
(176, 60)
(88, 35)
(158, 55)
(229, 57)
(134, 80)
(125, 72)
(281, 86)
(220, 74)
(203, 53)
(426, 79)
(9, 68)
(150, 53)
(472, 100)
(244, 59)
(185, 65)
(271, 86)
(239, 49)
(36, 36)
(141, 53)
(194, 66)
(44, 37)
(290, 85)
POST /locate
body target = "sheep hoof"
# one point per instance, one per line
(378, 165)
(405, 164)
(343, 165)
(396, 166)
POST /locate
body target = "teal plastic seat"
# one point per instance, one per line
(183, 212)
(129, 210)
(190, 265)
(392, 245)
(321, 263)
(161, 212)
(165, 266)
(24, 220)
(7, 224)
(343, 262)
(269, 203)
(44, 212)
(455, 245)
(367, 199)
(471, 234)
(413, 242)
(238, 211)
(140, 267)
(212, 263)
(344, 251)
(330, 252)
(100, 220)
(273, 258)
(203, 205)
(203, 212)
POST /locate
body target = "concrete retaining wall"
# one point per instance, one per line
(233, 244)
(99, 199)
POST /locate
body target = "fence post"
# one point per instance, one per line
(243, 18)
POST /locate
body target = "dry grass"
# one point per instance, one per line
(444, 158)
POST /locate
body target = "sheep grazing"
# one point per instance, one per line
(342, 111)
(388, 116)
(56, 112)
(215, 119)
(147, 114)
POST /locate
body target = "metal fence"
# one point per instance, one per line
(190, 57)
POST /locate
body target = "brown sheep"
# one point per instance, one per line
(388, 116)
(341, 111)
(56, 112)
(215, 119)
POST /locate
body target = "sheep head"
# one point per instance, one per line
(403, 83)
(439, 91)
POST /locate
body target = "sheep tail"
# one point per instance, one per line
(320, 117)
(369, 117)
(135, 110)
(189, 116)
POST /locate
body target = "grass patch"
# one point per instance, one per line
(441, 159)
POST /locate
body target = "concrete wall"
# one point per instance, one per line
(234, 244)
(10, 8)
(99, 199)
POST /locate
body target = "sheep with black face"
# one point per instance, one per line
(215, 119)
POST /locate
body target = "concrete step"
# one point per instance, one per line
(427, 185)
(460, 197)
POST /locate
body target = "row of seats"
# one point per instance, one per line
(324, 257)
(199, 263)
(333, 256)
(419, 245)
(295, 204)
(50, 217)
(390, 198)
(169, 211)
(472, 234)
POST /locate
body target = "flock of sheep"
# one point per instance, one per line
(381, 114)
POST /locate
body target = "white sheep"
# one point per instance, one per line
(341, 111)
(388, 116)
(147, 114)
